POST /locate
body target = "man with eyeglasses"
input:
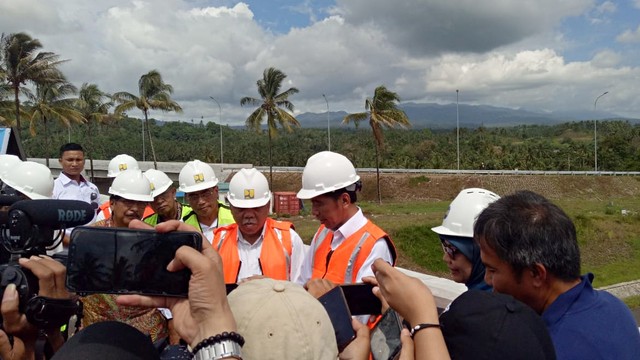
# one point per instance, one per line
(130, 193)
(200, 185)
(461, 253)
(256, 245)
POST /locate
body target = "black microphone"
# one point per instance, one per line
(54, 214)
(8, 200)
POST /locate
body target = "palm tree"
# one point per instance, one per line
(272, 105)
(154, 95)
(51, 102)
(382, 111)
(21, 64)
(94, 106)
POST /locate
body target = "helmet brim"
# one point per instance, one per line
(249, 204)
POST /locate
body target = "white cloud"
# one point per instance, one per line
(629, 36)
(499, 52)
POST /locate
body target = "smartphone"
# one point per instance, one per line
(127, 261)
(385, 337)
(336, 305)
(361, 300)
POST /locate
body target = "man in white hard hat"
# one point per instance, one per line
(165, 205)
(347, 243)
(7, 164)
(130, 193)
(461, 253)
(117, 165)
(200, 185)
(256, 245)
(31, 180)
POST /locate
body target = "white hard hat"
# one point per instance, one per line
(196, 176)
(132, 185)
(463, 211)
(121, 163)
(249, 189)
(32, 179)
(325, 172)
(160, 182)
(8, 163)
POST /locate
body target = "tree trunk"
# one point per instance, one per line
(16, 90)
(378, 174)
(90, 149)
(46, 140)
(153, 150)
(270, 161)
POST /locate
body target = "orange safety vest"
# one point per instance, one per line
(341, 265)
(275, 254)
(106, 210)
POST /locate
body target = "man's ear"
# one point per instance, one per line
(539, 275)
(345, 199)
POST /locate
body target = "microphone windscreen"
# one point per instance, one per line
(56, 213)
(8, 200)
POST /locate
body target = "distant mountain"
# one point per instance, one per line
(435, 116)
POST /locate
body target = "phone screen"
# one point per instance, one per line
(336, 306)
(125, 261)
(385, 337)
(361, 300)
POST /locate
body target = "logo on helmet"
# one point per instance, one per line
(122, 167)
(198, 178)
(153, 187)
(249, 193)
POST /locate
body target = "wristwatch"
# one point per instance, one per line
(225, 349)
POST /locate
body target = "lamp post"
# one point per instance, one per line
(220, 123)
(328, 124)
(595, 132)
(458, 129)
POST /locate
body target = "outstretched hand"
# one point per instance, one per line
(206, 311)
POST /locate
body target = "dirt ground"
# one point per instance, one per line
(407, 187)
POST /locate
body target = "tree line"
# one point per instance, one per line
(567, 146)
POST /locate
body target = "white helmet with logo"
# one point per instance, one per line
(8, 163)
(121, 163)
(160, 182)
(196, 176)
(325, 172)
(32, 179)
(463, 212)
(132, 185)
(249, 188)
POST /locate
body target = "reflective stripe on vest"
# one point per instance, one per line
(277, 240)
(342, 264)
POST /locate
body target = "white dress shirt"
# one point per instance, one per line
(356, 222)
(249, 255)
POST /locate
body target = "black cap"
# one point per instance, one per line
(486, 325)
(108, 340)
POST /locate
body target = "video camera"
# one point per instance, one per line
(31, 227)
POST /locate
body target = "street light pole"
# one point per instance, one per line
(220, 123)
(328, 124)
(595, 132)
(458, 129)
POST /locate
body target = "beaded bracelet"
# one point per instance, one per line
(419, 327)
(233, 336)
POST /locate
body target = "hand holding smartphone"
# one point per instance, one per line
(385, 337)
(336, 306)
(126, 261)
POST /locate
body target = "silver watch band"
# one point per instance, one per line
(225, 349)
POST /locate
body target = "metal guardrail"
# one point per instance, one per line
(466, 172)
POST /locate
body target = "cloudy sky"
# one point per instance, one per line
(544, 55)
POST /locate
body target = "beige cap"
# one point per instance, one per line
(281, 320)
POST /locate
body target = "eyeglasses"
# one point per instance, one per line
(131, 203)
(196, 196)
(449, 249)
